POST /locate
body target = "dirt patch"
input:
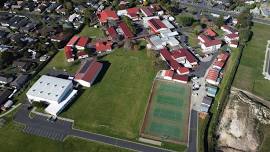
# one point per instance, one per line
(238, 129)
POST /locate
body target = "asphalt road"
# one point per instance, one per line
(59, 130)
(193, 132)
(219, 11)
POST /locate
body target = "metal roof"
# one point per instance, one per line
(50, 88)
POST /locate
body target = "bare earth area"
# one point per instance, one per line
(239, 126)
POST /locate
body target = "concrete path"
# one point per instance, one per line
(193, 131)
(60, 130)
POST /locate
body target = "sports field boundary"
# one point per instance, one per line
(145, 120)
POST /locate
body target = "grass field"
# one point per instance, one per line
(116, 104)
(249, 74)
(92, 32)
(167, 117)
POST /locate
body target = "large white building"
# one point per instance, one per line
(55, 92)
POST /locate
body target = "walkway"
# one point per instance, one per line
(193, 131)
(60, 129)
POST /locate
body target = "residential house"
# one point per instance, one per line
(4, 95)
(69, 53)
(20, 81)
(22, 65)
(5, 80)
(125, 30)
(107, 15)
(82, 43)
(103, 46)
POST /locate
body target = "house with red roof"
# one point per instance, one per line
(106, 15)
(68, 54)
(156, 25)
(125, 30)
(213, 77)
(82, 43)
(210, 32)
(228, 29)
(185, 57)
(88, 72)
(209, 45)
(203, 38)
(218, 64)
(223, 56)
(133, 13)
(233, 44)
(103, 46)
(147, 11)
(72, 42)
(229, 37)
(112, 33)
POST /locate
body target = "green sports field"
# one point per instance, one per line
(167, 115)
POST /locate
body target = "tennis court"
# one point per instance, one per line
(167, 115)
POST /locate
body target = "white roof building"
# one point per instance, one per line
(168, 33)
(54, 91)
(168, 24)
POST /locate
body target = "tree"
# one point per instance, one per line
(68, 6)
(245, 35)
(5, 59)
(129, 23)
(87, 14)
(244, 19)
(219, 21)
(185, 20)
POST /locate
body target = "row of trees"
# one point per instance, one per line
(244, 25)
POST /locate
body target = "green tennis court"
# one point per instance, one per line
(167, 116)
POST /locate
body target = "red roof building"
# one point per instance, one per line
(68, 54)
(233, 44)
(203, 38)
(228, 29)
(223, 56)
(179, 68)
(218, 64)
(103, 46)
(126, 31)
(180, 78)
(133, 13)
(212, 77)
(213, 43)
(167, 74)
(210, 32)
(106, 15)
(88, 72)
(111, 32)
(184, 54)
(73, 41)
(82, 43)
(147, 12)
(156, 25)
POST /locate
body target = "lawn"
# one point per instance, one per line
(59, 63)
(13, 140)
(115, 105)
(92, 32)
(249, 74)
